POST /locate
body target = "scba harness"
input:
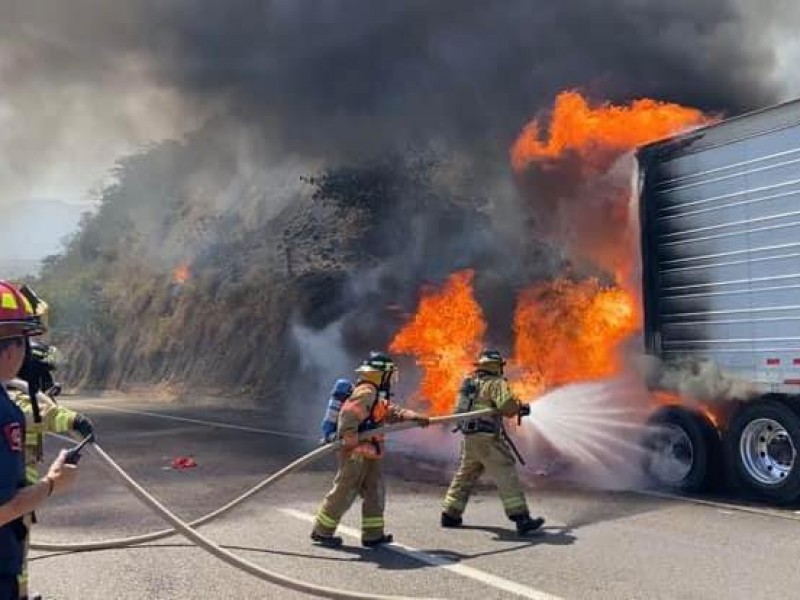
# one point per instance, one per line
(467, 395)
(340, 394)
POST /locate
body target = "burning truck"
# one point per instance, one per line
(720, 241)
(717, 228)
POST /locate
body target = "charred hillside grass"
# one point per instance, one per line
(257, 255)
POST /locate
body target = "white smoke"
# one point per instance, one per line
(695, 379)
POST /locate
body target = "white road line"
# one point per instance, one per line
(494, 581)
(287, 434)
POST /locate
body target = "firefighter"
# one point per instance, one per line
(360, 462)
(17, 323)
(484, 447)
(54, 419)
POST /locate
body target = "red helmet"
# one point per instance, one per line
(17, 316)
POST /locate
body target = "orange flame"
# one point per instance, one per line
(181, 273)
(580, 201)
(713, 412)
(565, 331)
(568, 331)
(444, 336)
(597, 132)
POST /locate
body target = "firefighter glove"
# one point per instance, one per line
(83, 426)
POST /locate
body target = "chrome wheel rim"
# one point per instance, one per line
(767, 451)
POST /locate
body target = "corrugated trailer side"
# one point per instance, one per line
(720, 214)
(720, 239)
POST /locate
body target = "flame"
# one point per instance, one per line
(572, 175)
(181, 273)
(713, 412)
(444, 336)
(565, 330)
(595, 133)
(569, 331)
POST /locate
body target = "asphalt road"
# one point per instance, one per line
(595, 544)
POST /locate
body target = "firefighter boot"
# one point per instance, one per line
(449, 520)
(329, 541)
(525, 524)
(386, 538)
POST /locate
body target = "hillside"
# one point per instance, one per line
(201, 271)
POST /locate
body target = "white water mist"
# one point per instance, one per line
(587, 433)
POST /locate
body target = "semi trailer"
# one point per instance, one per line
(719, 211)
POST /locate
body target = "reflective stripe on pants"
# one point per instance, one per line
(484, 452)
(357, 476)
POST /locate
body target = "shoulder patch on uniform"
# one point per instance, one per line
(13, 434)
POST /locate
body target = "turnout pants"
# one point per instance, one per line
(485, 452)
(357, 476)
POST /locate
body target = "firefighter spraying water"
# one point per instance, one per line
(487, 447)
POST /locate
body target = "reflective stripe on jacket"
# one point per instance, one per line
(55, 419)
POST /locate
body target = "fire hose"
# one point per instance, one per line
(187, 529)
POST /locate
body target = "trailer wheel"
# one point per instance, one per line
(762, 445)
(681, 450)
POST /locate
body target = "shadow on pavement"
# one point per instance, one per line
(550, 536)
(345, 553)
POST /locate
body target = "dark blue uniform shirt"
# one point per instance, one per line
(12, 478)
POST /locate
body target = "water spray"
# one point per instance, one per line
(592, 430)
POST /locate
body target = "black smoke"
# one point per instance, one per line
(349, 90)
(347, 76)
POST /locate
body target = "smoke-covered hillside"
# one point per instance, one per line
(356, 151)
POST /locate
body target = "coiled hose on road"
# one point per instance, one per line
(186, 529)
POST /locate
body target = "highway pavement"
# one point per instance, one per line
(595, 545)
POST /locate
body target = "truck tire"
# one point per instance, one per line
(761, 446)
(681, 450)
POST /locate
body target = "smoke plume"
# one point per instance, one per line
(403, 112)
(89, 79)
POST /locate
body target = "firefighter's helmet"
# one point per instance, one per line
(40, 307)
(491, 361)
(378, 369)
(17, 316)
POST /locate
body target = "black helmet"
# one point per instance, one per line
(377, 361)
(490, 360)
(377, 369)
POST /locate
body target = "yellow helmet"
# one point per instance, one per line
(377, 369)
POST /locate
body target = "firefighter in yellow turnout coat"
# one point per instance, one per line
(360, 463)
(483, 448)
(54, 419)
